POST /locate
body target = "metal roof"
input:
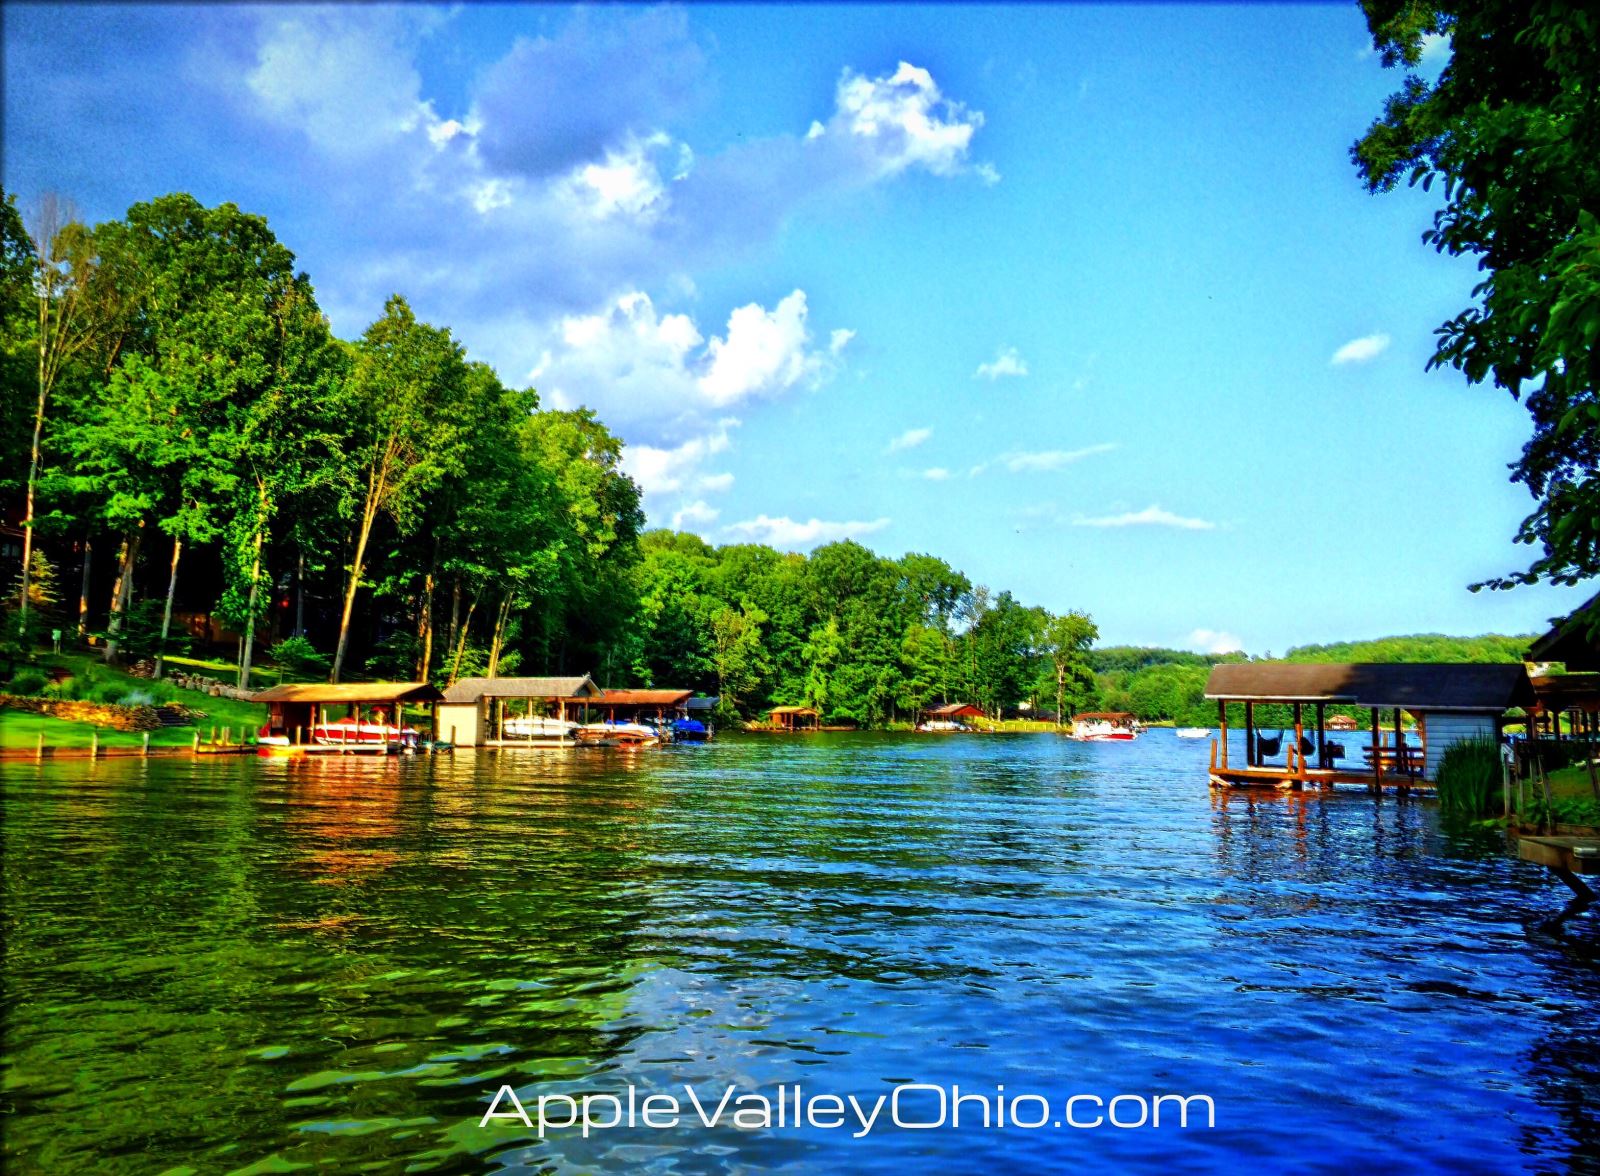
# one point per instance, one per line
(1410, 686)
(702, 704)
(473, 689)
(645, 697)
(951, 710)
(315, 692)
(792, 710)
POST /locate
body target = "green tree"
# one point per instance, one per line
(736, 653)
(405, 390)
(1511, 131)
(1066, 639)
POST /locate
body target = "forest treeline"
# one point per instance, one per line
(184, 435)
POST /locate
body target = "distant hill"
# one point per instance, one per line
(1169, 684)
(1419, 647)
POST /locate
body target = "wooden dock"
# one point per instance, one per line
(1566, 857)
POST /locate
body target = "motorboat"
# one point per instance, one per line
(1194, 732)
(617, 734)
(690, 731)
(538, 729)
(1104, 727)
(937, 725)
(352, 732)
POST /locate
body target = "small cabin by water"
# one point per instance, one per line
(1447, 703)
(794, 718)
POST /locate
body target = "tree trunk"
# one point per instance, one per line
(499, 634)
(455, 615)
(121, 591)
(461, 640)
(300, 594)
(166, 614)
(368, 513)
(33, 478)
(247, 648)
(425, 617)
(1061, 675)
(83, 588)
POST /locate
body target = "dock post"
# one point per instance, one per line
(195, 747)
(41, 745)
(144, 750)
(94, 744)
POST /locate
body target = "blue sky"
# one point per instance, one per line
(1086, 300)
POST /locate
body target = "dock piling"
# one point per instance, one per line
(144, 749)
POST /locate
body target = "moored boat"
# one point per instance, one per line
(352, 732)
(1193, 732)
(539, 729)
(617, 735)
(690, 731)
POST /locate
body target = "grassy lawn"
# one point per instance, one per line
(19, 729)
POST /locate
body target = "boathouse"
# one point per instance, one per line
(295, 710)
(1447, 703)
(474, 709)
(951, 712)
(794, 718)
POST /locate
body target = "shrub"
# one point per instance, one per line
(1469, 777)
(28, 682)
(297, 656)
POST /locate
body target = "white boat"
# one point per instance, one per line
(539, 729)
(1194, 732)
(618, 735)
(942, 725)
(1104, 727)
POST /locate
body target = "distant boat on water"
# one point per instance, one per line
(1104, 727)
(1194, 732)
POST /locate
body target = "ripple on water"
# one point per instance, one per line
(236, 965)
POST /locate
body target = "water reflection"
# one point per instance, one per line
(222, 963)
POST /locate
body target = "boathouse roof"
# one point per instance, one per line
(792, 710)
(321, 692)
(953, 710)
(706, 703)
(1571, 640)
(473, 689)
(645, 697)
(1410, 686)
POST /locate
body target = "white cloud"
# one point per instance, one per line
(1007, 362)
(839, 340)
(765, 351)
(1368, 347)
(1214, 641)
(635, 365)
(785, 532)
(1150, 516)
(699, 512)
(936, 474)
(1049, 459)
(715, 483)
(905, 121)
(910, 439)
(1435, 48)
(665, 471)
(627, 183)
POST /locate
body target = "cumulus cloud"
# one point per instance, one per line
(632, 363)
(1150, 516)
(910, 439)
(1214, 641)
(936, 474)
(697, 513)
(660, 470)
(1361, 350)
(785, 532)
(1007, 362)
(1048, 459)
(903, 121)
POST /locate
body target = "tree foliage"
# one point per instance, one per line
(1510, 130)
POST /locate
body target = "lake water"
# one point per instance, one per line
(222, 964)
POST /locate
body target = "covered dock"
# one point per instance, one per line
(635, 705)
(1447, 703)
(475, 710)
(794, 718)
(295, 711)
